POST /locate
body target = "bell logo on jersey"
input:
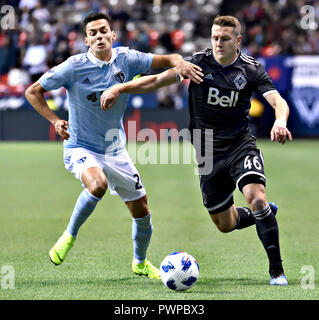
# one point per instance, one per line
(223, 101)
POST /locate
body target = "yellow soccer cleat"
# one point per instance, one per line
(146, 269)
(59, 251)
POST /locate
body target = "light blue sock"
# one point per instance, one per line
(84, 206)
(142, 229)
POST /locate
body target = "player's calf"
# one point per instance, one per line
(226, 220)
(242, 220)
(246, 218)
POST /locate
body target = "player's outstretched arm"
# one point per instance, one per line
(184, 68)
(35, 95)
(279, 131)
(141, 85)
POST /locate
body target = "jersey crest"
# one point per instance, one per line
(240, 81)
(119, 77)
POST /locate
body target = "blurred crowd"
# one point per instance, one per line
(48, 32)
(272, 27)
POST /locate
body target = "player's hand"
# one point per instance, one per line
(61, 127)
(189, 70)
(279, 133)
(109, 97)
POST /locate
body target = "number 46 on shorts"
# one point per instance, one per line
(252, 162)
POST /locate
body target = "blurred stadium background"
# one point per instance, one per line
(45, 33)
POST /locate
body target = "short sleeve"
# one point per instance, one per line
(263, 83)
(57, 77)
(139, 62)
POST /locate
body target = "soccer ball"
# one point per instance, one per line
(179, 271)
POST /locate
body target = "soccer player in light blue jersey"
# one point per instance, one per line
(94, 141)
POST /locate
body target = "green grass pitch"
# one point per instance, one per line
(38, 195)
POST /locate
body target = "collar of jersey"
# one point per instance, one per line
(227, 65)
(98, 62)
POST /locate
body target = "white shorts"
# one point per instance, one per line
(122, 176)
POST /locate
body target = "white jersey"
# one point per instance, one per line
(85, 78)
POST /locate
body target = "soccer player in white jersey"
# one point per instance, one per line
(221, 103)
(94, 145)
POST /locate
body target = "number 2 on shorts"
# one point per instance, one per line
(137, 184)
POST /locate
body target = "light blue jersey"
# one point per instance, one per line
(85, 78)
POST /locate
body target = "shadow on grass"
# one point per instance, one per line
(246, 281)
(221, 285)
(233, 281)
(70, 282)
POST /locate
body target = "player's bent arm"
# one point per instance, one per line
(279, 131)
(141, 85)
(150, 83)
(184, 68)
(35, 95)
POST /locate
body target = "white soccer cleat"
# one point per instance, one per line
(279, 281)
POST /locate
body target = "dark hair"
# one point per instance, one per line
(96, 16)
(228, 21)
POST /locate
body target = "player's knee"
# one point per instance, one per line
(255, 197)
(258, 203)
(98, 187)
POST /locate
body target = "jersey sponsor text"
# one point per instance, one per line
(224, 101)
